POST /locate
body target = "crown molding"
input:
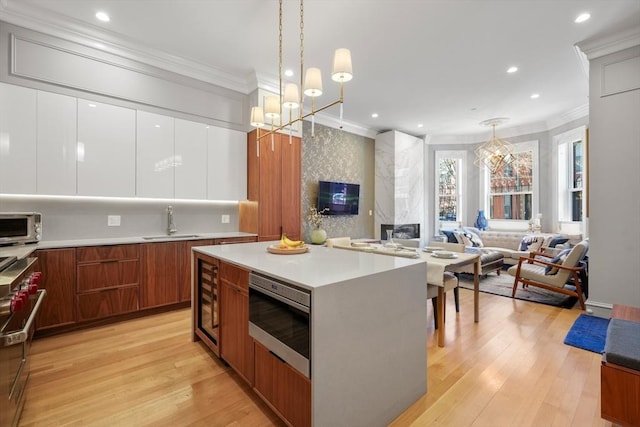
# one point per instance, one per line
(606, 44)
(24, 15)
(513, 131)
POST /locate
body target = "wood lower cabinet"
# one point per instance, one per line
(236, 346)
(107, 302)
(273, 180)
(286, 390)
(58, 267)
(107, 281)
(184, 266)
(160, 284)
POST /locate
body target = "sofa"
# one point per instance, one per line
(511, 244)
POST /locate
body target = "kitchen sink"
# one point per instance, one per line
(173, 236)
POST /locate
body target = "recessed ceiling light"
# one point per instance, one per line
(374, 115)
(535, 95)
(288, 73)
(92, 105)
(512, 69)
(102, 16)
(420, 125)
(157, 126)
(582, 17)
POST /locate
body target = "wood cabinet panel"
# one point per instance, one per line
(269, 203)
(184, 266)
(58, 267)
(234, 276)
(159, 273)
(110, 302)
(108, 274)
(236, 346)
(286, 390)
(291, 187)
(274, 181)
(106, 253)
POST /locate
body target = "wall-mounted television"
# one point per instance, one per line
(338, 197)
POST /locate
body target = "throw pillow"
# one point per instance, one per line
(475, 240)
(531, 243)
(558, 241)
(558, 259)
(451, 238)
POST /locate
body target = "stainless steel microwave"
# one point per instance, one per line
(20, 227)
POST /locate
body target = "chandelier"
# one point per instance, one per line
(290, 98)
(496, 153)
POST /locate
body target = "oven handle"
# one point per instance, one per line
(273, 295)
(21, 336)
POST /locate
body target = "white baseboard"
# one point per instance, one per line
(599, 309)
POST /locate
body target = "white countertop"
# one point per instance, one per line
(53, 244)
(22, 251)
(320, 266)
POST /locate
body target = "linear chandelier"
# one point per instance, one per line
(496, 153)
(311, 86)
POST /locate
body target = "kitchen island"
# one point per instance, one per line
(367, 321)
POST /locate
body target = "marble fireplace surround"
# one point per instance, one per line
(399, 182)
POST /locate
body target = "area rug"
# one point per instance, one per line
(502, 285)
(588, 332)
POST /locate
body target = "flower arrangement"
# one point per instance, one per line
(314, 217)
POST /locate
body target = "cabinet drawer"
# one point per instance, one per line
(107, 275)
(234, 276)
(106, 253)
(284, 388)
(110, 302)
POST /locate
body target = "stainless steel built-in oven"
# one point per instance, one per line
(279, 320)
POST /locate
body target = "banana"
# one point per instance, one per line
(291, 243)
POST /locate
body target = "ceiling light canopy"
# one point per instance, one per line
(496, 153)
(311, 86)
(512, 69)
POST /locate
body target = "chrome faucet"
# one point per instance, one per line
(171, 227)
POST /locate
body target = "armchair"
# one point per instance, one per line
(552, 273)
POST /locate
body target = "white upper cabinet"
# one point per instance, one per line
(191, 156)
(17, 139)
(227, 174)
(155, 157)
(106, 150)
(56, 143)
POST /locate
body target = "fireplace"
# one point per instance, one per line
(400, 231)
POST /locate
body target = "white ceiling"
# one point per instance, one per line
(439, 63)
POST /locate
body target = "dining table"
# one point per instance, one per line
(436, 266)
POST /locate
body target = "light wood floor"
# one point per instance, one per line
(511, 369)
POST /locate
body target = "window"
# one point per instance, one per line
(571, 175)
(511, 193)
(449, 188)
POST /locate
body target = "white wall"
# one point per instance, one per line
(614, 173)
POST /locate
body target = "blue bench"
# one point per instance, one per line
(620, 371)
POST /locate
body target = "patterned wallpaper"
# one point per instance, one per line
(335, 155)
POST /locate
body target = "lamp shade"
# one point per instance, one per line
(257, 117)
(272, 107)
(342, 71)
(291, 97)
(313, 82)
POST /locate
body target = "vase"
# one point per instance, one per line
(318, 236)
(481, 221)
